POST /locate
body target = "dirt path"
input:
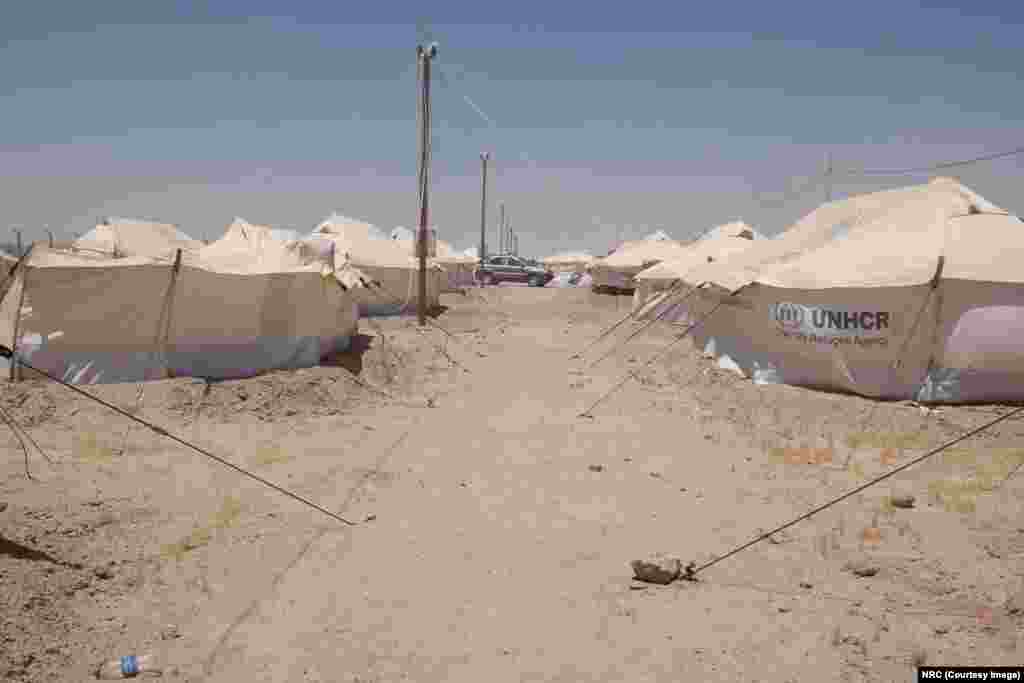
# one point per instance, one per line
(495, 551)
(495, 548)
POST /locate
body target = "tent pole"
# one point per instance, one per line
(15, 369)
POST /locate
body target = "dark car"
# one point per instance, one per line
(497, 269)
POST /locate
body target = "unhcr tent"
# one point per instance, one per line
(569, 262)
(459, 269)
(914, 293)
(616, 270)
(391, 268)
(656, 285)
(403, 234)
(237, 308)
(129, 237)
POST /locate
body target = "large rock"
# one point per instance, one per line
(659, 569)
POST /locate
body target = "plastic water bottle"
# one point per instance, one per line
(128, 667)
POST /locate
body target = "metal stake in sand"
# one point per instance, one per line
(692, 569)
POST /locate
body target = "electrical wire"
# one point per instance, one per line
(934, 167)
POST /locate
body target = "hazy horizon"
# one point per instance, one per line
(609, 125)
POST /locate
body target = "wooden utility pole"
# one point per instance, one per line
(828, 177)
(424, 55)
(483, 207)
(501, 228)
(18, 234)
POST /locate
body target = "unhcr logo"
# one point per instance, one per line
(830, 320)
(789, 316)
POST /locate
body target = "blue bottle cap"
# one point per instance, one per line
(129, 665)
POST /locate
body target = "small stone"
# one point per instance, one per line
(862, 568)
(941, 630)
(806, 584)
(656, 475)
(784, 610)
(3, 506)
(658, 569)
(103, 573)
(370, 517)
(596, 468)
(903, 501)
(170, 632)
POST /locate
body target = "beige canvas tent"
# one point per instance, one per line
(391, 268)
(130, 237)
(459, 269)
(569, 262)
(228, 310)
(616, 270)
(655, 285)
(914, 293)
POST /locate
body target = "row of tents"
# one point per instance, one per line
(140, 300)
(915, 293)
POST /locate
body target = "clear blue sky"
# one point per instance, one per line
(606, 121)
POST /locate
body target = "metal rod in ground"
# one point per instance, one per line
(632, 374)
(642, 329)
(691, 573)
(6, 352)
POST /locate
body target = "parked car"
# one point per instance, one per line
(498, 269)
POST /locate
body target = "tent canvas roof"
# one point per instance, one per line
(884, 238)
(445, 252)
(720, 244)
(658, 236)
(362, 243)
(248, 248)
(636, 254)
(569, 257)
(130, 237)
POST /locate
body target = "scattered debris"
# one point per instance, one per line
(861, 567)
(904, 501)
(659, 569)
(170, 632)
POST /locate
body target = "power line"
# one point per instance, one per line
(936, 167)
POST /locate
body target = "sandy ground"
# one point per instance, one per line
(496, 526)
